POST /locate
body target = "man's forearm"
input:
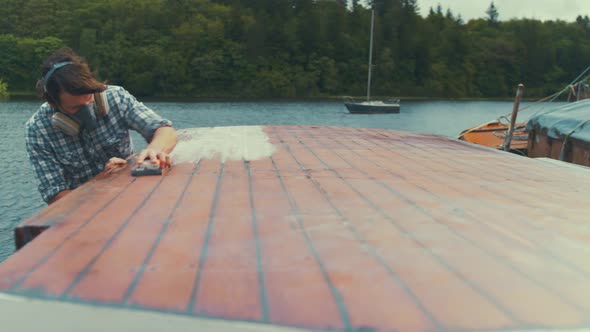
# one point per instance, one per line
(164, 140)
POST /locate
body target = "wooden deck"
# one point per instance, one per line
(336, 228)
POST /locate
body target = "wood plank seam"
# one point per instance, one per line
(259, 268)
(203, 258)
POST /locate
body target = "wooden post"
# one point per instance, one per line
(508, 138)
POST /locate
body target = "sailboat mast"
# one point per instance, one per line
(370, 54)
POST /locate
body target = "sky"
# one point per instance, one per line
(566, 10)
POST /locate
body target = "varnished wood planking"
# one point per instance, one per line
(132, 244)
(524, 210)
(389, 209)
(464, 231)
(430, 277)
(93, 188)
(345, 257)
(85, 246)
(521, 216)
(15, 270)
(339, 228)
(168, 280)
(293, 279)
(524, 285)
(229, 283)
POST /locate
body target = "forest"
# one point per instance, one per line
(292, 48)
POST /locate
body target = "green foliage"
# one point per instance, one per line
(22, 57)
(3, 90)
(492, 13)
(295, 48)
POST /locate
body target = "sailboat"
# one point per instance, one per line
(369, 106)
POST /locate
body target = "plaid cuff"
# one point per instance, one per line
(48, 193)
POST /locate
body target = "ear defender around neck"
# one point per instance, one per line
(101, 104)
(64, 123)
(73, 124)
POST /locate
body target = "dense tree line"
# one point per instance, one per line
(291, 48)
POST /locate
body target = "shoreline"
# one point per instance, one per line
(29, 96)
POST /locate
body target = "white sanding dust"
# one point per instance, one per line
(225, 143)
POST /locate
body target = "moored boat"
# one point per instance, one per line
(493, 134)
(557, 132)
(561, 133)
(315, 228)
(369, 106)
(372, 106)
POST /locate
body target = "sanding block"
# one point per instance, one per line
(146, 168)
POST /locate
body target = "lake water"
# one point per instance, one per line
(20, 199)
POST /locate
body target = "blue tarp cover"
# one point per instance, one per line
(562, 120)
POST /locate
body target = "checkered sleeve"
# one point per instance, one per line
(47, 169)
(140, 117)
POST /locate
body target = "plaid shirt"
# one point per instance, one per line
(64, 162)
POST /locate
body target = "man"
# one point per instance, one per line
(84, 125)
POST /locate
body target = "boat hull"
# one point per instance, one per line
(540, 145)
(493, 134)
(561, 133)
(360, 108)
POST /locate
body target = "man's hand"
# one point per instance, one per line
(159, 148)
(154, 156)
(114, 163)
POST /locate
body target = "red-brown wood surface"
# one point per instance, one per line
(338, 228)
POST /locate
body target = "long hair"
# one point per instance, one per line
(75, 78)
